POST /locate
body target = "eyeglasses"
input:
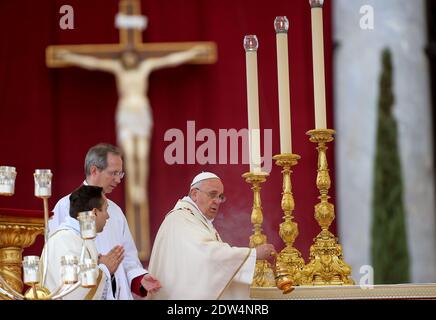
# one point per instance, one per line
(214, 195)
(119, 174)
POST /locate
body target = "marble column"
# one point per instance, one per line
(401, 26)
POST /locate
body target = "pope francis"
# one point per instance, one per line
(189, 257)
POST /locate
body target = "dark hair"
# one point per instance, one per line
(85, 198)
(97, 156)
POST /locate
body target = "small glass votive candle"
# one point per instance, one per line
(251, 43)
(316, 3)
(281, 24)
(31, 270)
(87, 224)
(69, 269)
(43, 183)
(88, 273)
(7, 180)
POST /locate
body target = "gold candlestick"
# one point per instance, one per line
(263, 273)
(43, 180)
(37, 291)
(289, 263)
(326, 266)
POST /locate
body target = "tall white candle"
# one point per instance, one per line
(251, 44)
(281, 26)
(318, 64)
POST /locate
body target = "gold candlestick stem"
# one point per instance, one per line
(46, 234)
(263, 274)
(326, 265)
(289, 263)
(35, 293)
(45, 200)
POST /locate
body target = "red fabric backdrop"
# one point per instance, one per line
(50, 117)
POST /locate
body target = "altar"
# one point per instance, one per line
(354, 292)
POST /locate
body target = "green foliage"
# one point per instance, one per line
(390, 257)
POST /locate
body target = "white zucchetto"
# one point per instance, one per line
(203, 176)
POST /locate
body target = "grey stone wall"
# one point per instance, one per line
(401, 26)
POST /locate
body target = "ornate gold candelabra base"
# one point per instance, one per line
(16, 233)
(263, 273)
(289, 262)
(326, 265)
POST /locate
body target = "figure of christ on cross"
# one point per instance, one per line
(131, 61)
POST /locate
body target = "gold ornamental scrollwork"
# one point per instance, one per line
(326, 265)
(18, 235)
(263, 273)
(289, 262)
(14, 237)
(10, 267)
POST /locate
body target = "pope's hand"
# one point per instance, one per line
(265, 251)
(150, 283)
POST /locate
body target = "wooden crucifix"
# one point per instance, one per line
(132, 61)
